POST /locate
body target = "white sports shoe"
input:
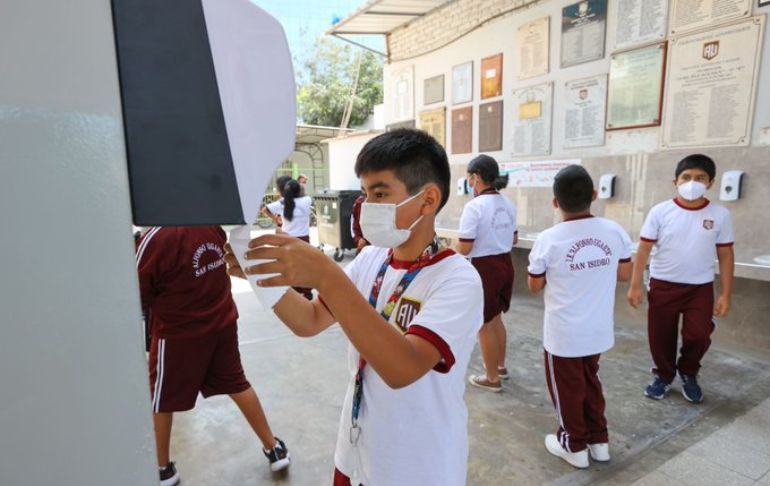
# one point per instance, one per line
(575, 459)
(599, 452)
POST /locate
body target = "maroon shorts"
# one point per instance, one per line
(496, 273)
(180, 368)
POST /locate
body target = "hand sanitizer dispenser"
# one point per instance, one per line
(462, 186)
(730, 189)
(607, 186)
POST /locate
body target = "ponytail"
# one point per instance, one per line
(291, 191)
(501, 182)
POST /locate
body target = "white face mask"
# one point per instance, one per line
(692, 190)
(378, 224)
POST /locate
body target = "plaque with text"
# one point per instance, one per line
(533, 48)
(492, 76)
(584, 110)
(434, 122)
(532, 120)
(462, 130)
(635, 92)
(583, 29)
(711, 89)
(401, 124)
(689, 15)
(433, 90)
(462, 83)
(491, 126)
(640, 22)
(402, 94)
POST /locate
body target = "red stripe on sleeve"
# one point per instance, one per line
(625, 260)
(541, 275)
(447, 358)
(722, 245)
(467, 240)
(647, 239)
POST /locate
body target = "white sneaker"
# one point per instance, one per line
(599, 452)
(576, 459)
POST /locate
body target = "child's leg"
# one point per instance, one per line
(251, 409)
(567, 386)
(594, 402)
(162, 422)
(490, 349)
(697, 327)
(502, 340)
(663, 326)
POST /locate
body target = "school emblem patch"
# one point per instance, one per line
(407, 309)
(708, 224)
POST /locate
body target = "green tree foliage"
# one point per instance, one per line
(326, 79)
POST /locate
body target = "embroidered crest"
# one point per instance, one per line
(407, 309)
(708, 224)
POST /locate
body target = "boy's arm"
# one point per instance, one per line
(536, 283)
(400, 360)
(640, 263)
(538, 264)
(726, 258)
(464, 247)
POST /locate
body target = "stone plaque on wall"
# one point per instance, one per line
(532, 120)
(687, 15)
(492, 76)
(583, 28)
(462, 83)
(434, 122)
(401, 124)
(433, 90)
(533, 48)
(584, 112)
(640, 21)
(635, 90)
(491, 126)
(462, 130)
(402, 94)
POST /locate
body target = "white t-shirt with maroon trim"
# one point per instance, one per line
(300, 223)
(686, 240)
(489, 221)
(579, 260)
(418, 434)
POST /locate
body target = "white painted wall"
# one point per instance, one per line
(342, 160)
(499, 36)
(74, 406)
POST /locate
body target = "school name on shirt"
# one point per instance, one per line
(585, 243)
(208, 247)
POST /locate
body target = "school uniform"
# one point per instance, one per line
(682, 267)
(298, 227)
(184, 283)
(579, 259)
(418, 434)
(489, 222)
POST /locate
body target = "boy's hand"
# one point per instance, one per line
(635, 296)
(722, 306)
(233, 267)
(298, 263)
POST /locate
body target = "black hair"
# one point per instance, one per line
(415, 157)
(697, 161)
(573, 189)
(291, 191)
(486, 167)
(281, 182)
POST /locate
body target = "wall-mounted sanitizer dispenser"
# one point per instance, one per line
(730, 189)
(607, 186)
(462, 186)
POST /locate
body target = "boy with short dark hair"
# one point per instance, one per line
(578, 262)
(184, 283)
(685, 236)
(410, 309)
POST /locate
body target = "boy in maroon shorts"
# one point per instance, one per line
(685, 236)
(185, 286)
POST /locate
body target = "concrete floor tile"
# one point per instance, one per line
(691, 469)
(734, 456)
(655, 478)
(765, 480)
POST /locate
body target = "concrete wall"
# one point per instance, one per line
(342, 160)
(75, 406)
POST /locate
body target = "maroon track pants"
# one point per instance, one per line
(577, 395)
(667, 302)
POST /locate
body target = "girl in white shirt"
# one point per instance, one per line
(488, 232)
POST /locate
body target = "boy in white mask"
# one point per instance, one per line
(684, 235)
(410, 309)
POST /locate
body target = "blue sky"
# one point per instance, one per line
(305, 20)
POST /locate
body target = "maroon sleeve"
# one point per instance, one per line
(152, 258)
(447, 357)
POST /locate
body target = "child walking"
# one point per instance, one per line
(194, 349)
(578, 262)
(685, 236)
(410, 309)
(488, 232)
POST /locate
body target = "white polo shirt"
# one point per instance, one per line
(416, 435)
(686, 240)
(579, 260)
(300, 223)
(489, 221)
